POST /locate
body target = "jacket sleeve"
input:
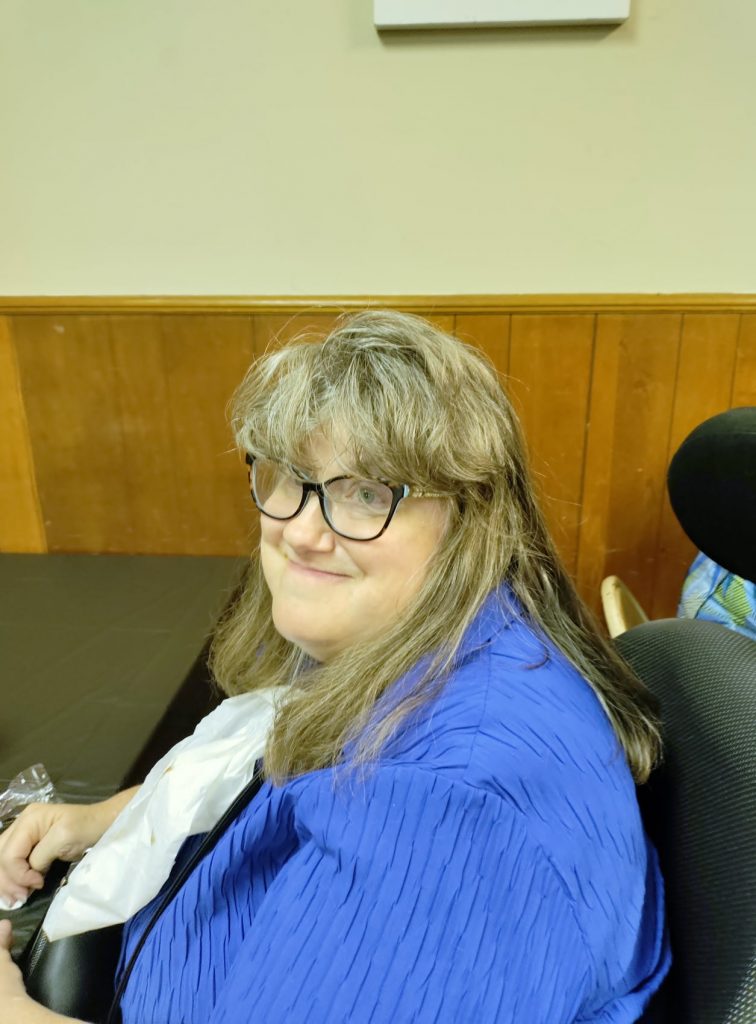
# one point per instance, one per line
(412, 897)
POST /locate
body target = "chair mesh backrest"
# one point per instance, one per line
(700, 809)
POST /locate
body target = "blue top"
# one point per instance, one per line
(491, 868)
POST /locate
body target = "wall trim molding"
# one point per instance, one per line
(438, 304)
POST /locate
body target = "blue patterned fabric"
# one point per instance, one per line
(491, 868)
(712, 593)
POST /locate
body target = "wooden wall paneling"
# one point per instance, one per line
(68, 381)
(490, 332)
(21, 526)
(206, 358)
(598, 468)
(704, 380)
(117, 415)
(744, 379)
(274, 329)
(549, 381)
(156, 518)
(444, 321)
(623, 503)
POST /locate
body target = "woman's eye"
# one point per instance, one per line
(361, 496)
(367, 495)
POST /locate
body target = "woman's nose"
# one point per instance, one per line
(309, 529)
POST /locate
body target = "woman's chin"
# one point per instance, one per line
(318, 646)
(317, 651)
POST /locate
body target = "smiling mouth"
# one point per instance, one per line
(313, 573)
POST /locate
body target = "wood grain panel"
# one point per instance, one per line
(148, 469)
(206, 359)
(444, 321)
(76, 429)
(744, 379)
(704, 378)
(599, 467)
(549, 381)
(142, 440)
(175, 376)
(641, 352)
(275, 330)
(21, 526)
(489, 332)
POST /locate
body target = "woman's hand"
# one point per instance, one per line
(15, 1005)
(11, 982)
(43, 833)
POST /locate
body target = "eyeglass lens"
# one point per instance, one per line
(356, 508)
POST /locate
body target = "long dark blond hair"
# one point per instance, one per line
(420, 407)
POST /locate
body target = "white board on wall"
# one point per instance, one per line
(455, 13)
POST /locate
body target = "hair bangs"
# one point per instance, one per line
(366, 407)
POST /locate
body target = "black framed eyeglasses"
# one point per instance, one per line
(353, 508)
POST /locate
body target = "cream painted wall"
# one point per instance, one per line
(283, 147)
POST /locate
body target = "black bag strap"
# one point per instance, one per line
(210, 840)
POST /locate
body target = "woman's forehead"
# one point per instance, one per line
(324, 457)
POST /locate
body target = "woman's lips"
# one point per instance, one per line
(315, 574)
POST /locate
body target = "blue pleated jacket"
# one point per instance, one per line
(492, 867)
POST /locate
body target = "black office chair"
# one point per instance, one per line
(700, 810)
(700, 806)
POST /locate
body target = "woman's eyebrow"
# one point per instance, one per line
(311, 477)
(301, 473)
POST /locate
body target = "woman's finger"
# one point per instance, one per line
(6, 935)
(17, 878)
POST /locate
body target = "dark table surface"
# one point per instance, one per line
(94, 651)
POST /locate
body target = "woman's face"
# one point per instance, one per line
(329, 592)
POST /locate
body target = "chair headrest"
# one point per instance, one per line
(712, 488)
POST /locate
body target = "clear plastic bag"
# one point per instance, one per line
(31, 786)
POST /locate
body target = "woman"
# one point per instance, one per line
(449, 829)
